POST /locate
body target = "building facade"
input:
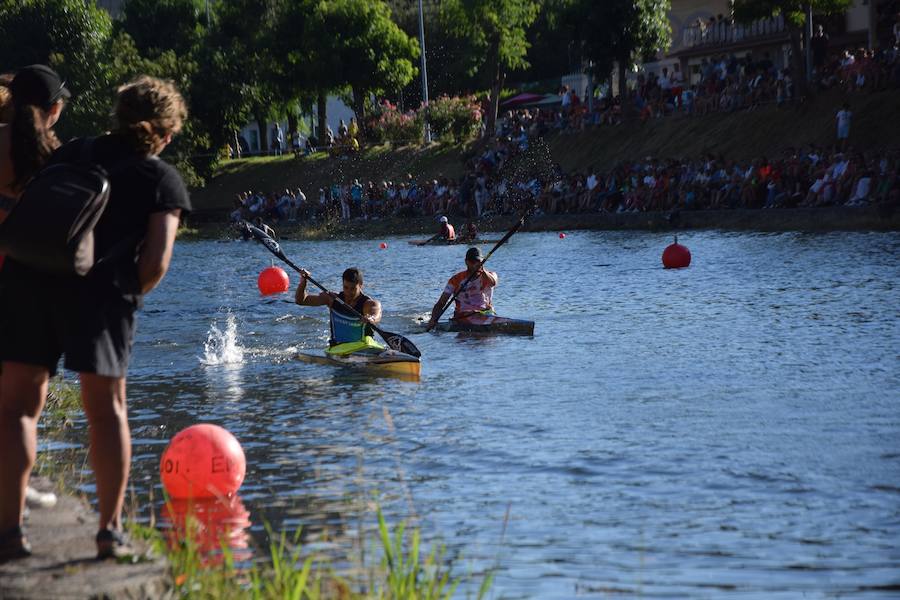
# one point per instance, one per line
(704, 29)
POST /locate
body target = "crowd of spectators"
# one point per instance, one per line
(723, 83)
(800, 177)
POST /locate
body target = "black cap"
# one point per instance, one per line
(473, 253)
(38, 85)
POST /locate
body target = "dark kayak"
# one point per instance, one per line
(488, 324)
(456, 242)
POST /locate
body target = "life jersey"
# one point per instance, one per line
(347, 327)
(448, 232)
(475, 298)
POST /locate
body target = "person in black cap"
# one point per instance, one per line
(37, 95)
(476, 297)
(90, 321)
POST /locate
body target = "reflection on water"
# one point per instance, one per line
(210, 525)
(731, 426)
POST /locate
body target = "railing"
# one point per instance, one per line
(722, 32)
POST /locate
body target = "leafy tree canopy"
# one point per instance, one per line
(793, 10)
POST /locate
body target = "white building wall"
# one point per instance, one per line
(335, 110)
(858, 16)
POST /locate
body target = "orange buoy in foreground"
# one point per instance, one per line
(273, 280)
(383, 246)
(562, 236)
(676, 256)
(203, 461)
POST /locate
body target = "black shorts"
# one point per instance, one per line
(94, 332)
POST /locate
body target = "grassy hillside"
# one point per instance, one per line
(272, 173)
(746, 134)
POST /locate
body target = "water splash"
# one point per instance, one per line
(222, 348)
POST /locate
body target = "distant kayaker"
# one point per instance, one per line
(447, 232)
(477, 295)
(471, 233)
(346, 327)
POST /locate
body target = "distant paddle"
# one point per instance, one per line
(469, 279)
(429, 240)
(394, 340)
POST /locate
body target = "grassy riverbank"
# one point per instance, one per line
(393, 562)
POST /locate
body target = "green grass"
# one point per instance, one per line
(289, 573)
(376, 163)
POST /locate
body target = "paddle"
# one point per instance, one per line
(469, 279)
(394, 341)
(429, 240)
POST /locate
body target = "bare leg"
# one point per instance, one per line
(105, 407)
(23, 390)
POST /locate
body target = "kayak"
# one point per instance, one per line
(480, 323)
(376, 359)
(457, 242)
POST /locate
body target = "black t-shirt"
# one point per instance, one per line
(139, 187)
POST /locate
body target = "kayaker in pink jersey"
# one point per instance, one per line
(475, 297)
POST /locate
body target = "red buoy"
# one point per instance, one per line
(676, 256)
(273, 280)
(562, 236)
(383, 246)
(203, 461)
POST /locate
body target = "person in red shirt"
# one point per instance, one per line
(472, 299)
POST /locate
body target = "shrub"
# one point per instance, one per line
(389, 124)
(457, 119)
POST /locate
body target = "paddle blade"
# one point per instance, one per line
(264, 239)
(399, 343)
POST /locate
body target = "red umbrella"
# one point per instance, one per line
(521, 99)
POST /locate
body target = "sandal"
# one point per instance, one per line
(113, 543)
(14, 545)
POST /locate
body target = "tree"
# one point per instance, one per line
(307, 70)
(73, 37)
(359, 43)
(794, 12)
(495, 34)
(163, 25)
(617, 31)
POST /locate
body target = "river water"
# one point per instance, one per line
(733, 427)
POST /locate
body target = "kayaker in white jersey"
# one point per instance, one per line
(349, 333)
(477, 295)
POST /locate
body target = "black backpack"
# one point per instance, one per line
(51, 227)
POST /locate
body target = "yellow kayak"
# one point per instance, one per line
(371, 356)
